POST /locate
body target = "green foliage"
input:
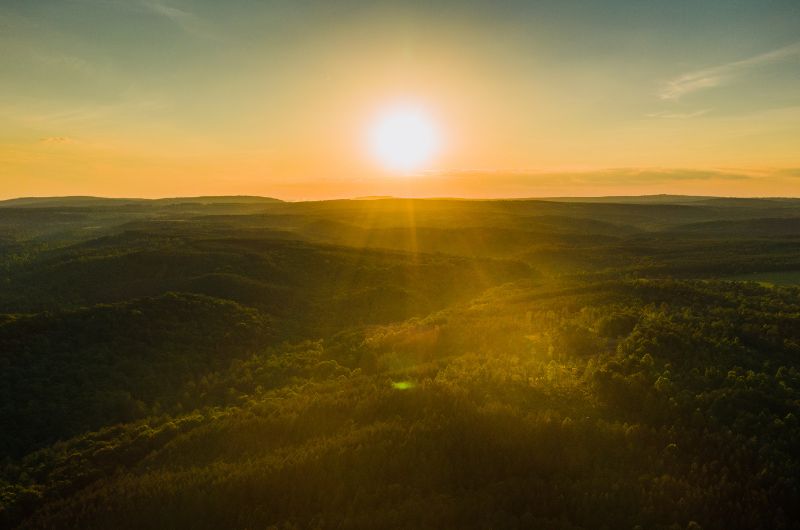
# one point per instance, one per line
(70, 372)
(399, 364)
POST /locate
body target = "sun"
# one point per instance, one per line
(404, 138)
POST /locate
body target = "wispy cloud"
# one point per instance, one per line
(186, 20)
(46, 114)
(724, 73)
(789, 172)
(53, 59)
(611, 176)
(651, 175)
(667, 115)
(58, 140)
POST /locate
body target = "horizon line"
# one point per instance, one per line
(396, 197)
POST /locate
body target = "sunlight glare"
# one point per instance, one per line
(404, 138)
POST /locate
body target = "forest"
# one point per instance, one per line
(248, 363)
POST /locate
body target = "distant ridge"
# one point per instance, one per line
(81, 201)
(217, 199)
(659, 198)
(87, 200)
(670, 199)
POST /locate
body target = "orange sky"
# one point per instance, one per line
(156, 98)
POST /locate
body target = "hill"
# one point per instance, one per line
(396, 363)
(88, 201)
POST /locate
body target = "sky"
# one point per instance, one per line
(155, 98)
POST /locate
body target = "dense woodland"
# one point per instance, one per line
(241, 362)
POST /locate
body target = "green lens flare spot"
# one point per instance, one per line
(403, 385)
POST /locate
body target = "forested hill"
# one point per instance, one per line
(242, 362)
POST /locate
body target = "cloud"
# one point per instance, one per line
(62, 60)
(605, 177)
(587, 182)
(57, 140)
(724, 73)
(179, 16)
(645, 175)
(789, 172)
(186, 20)
(665, 114)
(183, 18)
